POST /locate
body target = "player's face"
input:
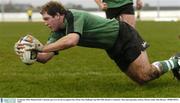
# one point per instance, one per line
(54, 23)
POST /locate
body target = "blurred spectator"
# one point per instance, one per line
(29, 13)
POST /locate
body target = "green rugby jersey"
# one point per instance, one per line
(94, 31)
(117, 3)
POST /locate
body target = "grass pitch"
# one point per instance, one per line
(83, 72)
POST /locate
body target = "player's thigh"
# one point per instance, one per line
(128, 18)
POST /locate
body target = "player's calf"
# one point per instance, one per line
(143, 75)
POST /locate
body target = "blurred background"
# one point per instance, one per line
(17, 10)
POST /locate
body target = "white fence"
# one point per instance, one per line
(145, 15)
(19, 17)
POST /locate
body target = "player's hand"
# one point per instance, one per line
(33, 46)
(103, 6)
(32, 43)
(19, 48)
(27, 43)
(139, 4)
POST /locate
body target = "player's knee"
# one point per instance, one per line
(145, 77)
(142, 79)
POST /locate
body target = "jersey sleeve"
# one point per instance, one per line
(75, 23)
(79, 24)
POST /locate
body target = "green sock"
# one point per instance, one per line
(167, 65)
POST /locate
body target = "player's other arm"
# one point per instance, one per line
(44, 57)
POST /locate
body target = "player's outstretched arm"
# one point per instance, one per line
(65, 42)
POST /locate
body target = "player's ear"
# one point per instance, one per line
(58, 15)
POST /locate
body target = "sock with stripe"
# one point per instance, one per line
(166, 65)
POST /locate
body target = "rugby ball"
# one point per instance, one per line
(28, 57)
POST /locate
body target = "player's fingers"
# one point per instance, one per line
(20, 46)
(19, 52)
(105, 6)
(28, 44)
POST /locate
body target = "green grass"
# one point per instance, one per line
(83, 72)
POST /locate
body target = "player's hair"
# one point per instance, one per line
(52, 8)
